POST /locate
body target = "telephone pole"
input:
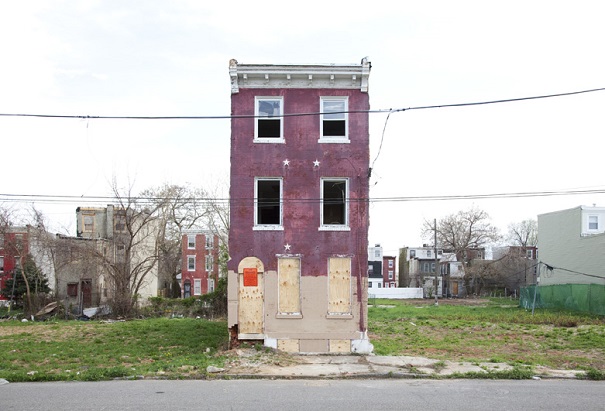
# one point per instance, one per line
(436, 264)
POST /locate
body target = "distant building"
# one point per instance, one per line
(375, 274)
(389, 275)
(119, 234)
(14, 247)
(199, 267)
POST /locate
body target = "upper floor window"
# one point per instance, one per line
(209, 241)
(190, 263)
(191, 241)
(334, 204)
(268, 203)
(268, 126)
(334, 120)
(1, 264)
(120, 220)
(390, 263)
(593, 222)
(88, 220)
(209, 263)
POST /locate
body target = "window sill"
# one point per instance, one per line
(292, 316)
(334, 140)
(334, 228)
(268, 228)
(343, 316)
(270, 140)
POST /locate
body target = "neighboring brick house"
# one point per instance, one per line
(389, 277)
(297, 278)
(14, 247)
(199, 267)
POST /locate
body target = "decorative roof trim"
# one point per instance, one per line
(350, 76)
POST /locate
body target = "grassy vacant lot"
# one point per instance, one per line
(92, 350)
(457, 330)
(494, 330)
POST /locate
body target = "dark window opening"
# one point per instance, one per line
(268, 206)
(334, 202)
(269, 128)
(334, 128)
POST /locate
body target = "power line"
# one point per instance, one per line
(303, 114)
(70, 199)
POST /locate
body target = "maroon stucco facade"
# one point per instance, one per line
(301, 181)
(294, 281)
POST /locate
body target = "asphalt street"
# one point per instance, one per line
(300, 394)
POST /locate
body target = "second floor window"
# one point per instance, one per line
(269, 122)
(191, 241)
(334, 203)
(88, 221)
(593, 222)
(191, 263)
(268, 201)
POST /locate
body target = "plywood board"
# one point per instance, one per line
(339, 283)
(288, 345)
(340, 346)
(250, 312)
(289, 285)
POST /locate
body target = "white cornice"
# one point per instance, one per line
(350, 76)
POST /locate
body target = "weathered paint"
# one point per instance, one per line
(308, 161)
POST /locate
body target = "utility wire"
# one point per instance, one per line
(301, 114)
(42, 198)
(550, 268)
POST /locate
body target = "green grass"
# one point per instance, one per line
(88, 351)
(485, 331)
(494, 330)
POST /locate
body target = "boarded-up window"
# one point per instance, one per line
(339, 283)
(72, 289)
(289, 285)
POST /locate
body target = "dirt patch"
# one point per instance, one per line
(449, 301)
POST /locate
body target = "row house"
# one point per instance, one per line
(571, 275)
(375, 274)
(199, 267)
(297, 278)
(416, 264)
(105, 231)
(14, 247)
(389, 277)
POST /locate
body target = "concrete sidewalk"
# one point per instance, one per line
(253, 364)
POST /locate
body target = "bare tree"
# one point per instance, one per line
(463, 233)
(129, 254)
(178, 208)
(523, 234)
(466, 230)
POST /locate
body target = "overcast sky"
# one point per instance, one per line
(161, 58)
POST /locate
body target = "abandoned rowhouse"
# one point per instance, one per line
(109, 240)
(299, 206)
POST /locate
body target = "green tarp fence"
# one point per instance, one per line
(576, 297)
